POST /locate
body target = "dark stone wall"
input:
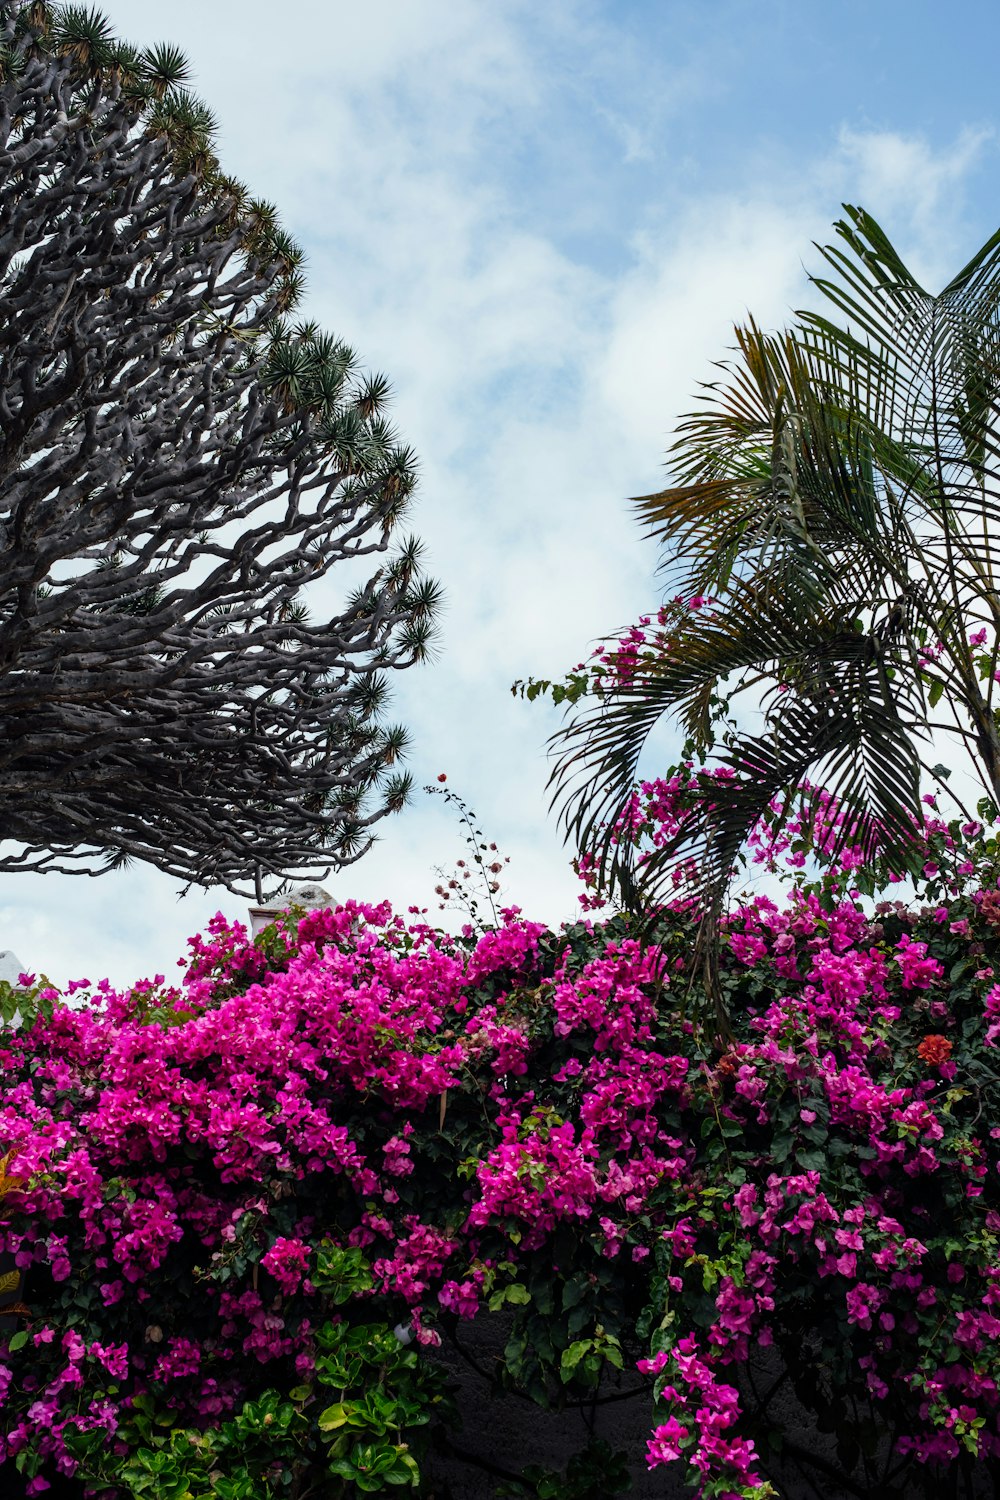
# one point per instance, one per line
(502, 1433)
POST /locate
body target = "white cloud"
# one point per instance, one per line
(673, 313)
(538, 387)
(903, 178)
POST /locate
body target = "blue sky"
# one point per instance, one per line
(541, 222)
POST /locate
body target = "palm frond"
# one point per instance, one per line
(836, 495)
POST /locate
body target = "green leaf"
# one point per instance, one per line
(516, 1293)
(572, 1356)
(579, 1318)
(334, 1416)
(810, 1161)
(574, 1291)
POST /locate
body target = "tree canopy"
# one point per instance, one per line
(830, 545)
(178, 460)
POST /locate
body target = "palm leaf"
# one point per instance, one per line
(834, 694)
(835, 493)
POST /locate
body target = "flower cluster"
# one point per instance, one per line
(353, 1117)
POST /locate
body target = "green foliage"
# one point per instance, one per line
(829, 536)
(596, 1473)
(20, 1004)
(385, 1391)
(340, 1272)
(253, 1456)
(572, 688)
(364, 1441)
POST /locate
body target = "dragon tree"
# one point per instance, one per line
(179, 460)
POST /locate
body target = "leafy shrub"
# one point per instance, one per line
(247, 1210)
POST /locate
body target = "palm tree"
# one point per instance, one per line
(837, 496)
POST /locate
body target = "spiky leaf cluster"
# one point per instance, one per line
(178, 461)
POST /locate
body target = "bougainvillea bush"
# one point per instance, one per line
(245, 1212)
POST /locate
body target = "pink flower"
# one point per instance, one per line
(665, 1444)
(287, 1261)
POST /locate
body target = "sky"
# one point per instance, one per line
(541, 222)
